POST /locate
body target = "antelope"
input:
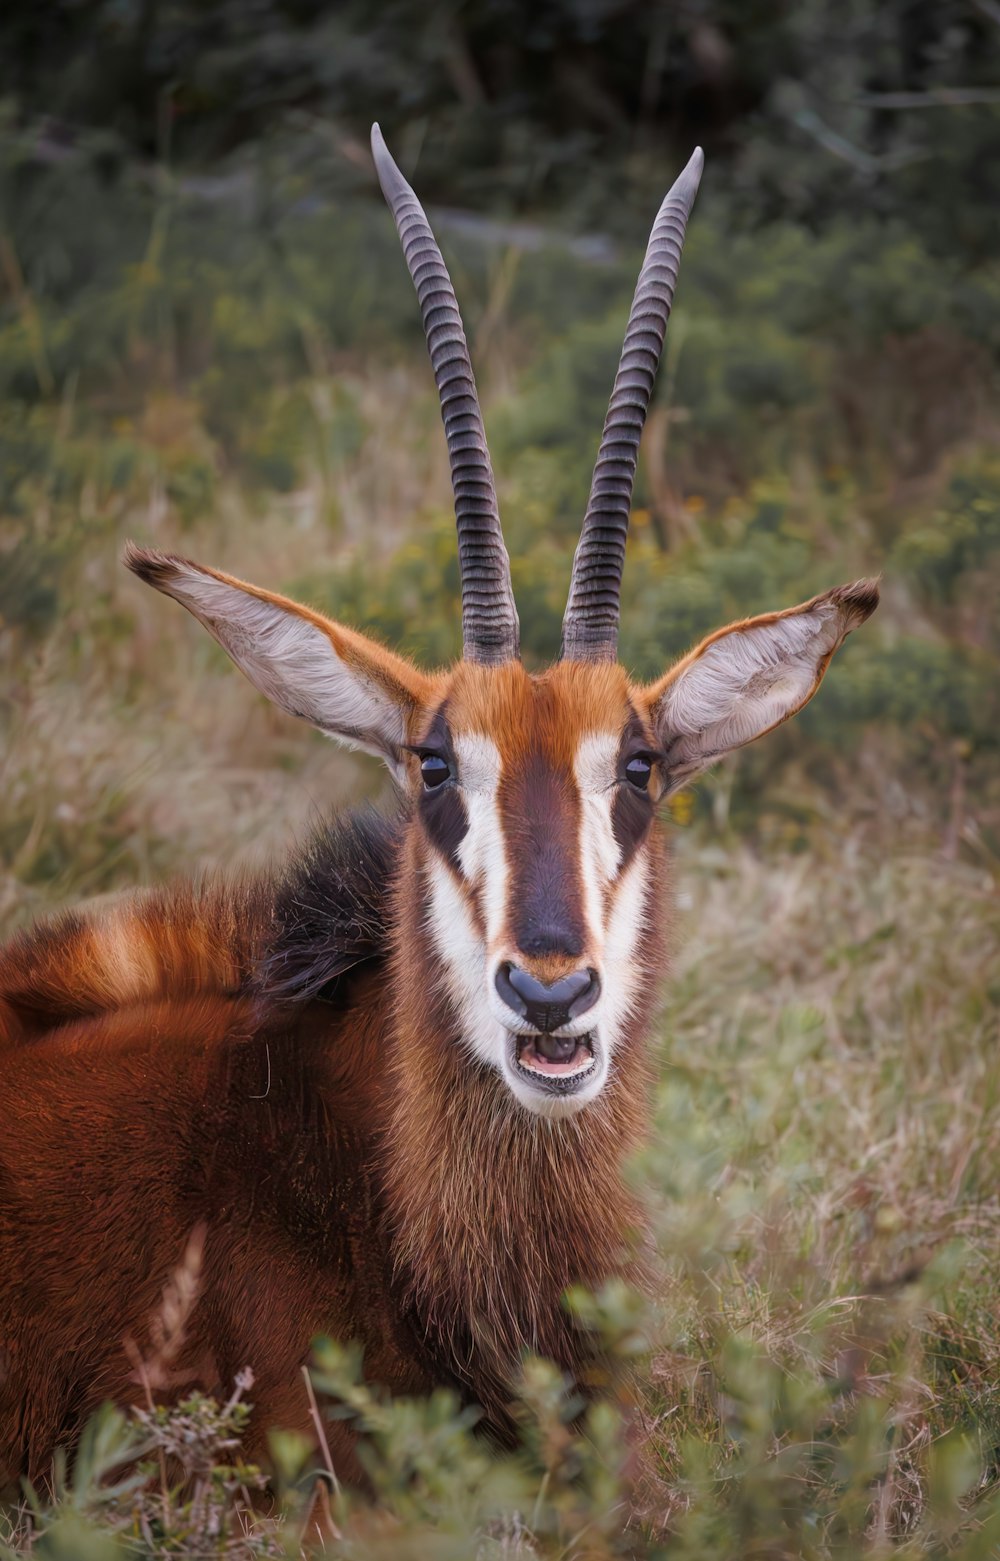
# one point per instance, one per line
(395, 1081)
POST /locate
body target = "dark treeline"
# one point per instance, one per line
(807, 108)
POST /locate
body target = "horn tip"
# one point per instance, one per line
(389, 177)
(686, 186)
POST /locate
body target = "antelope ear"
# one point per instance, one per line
(747, 678)
(339, 681)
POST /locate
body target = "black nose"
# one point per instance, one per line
(547, 1008)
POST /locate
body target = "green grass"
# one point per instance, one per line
(828, 1210)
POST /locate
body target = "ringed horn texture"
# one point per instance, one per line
(590, 623)
(489, 616)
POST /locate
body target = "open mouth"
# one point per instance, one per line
(555, 1062)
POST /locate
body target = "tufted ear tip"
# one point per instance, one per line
(151, 566)
(858, 600)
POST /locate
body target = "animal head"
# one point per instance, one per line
(534, 795)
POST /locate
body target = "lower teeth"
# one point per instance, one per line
(581, 1054)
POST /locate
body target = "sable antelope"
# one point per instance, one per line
(395, 1084)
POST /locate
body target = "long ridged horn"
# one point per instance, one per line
(590, 623)
(489, 616)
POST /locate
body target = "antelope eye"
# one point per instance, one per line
(638, 771)
(434, 770)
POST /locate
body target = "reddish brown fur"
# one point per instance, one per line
(356, 1173)
(494, 1218)
(155, 945)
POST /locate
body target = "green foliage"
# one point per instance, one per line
(425, 1464)
(117, 1499)
(822, 110)
(954, 559)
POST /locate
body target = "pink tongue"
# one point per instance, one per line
(530, 1057)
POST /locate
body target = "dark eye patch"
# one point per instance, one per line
(445, 820)
(631, 816)
(633, 809)
(441, 807)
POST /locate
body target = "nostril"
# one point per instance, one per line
(508, 991)
(587, 996)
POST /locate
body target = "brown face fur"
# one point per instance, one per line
(533, 799)
(533, 856)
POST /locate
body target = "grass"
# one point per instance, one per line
(826, 1136)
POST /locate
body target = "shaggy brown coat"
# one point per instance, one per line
(268, 1061)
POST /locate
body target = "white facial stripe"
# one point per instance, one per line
(481, 853)
(482, 858)
(462, 953)
(478, 763)
(618, 938)
(626, 924)
(600, 855)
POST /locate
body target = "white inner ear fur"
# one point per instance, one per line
(744, 683)
(295, 665)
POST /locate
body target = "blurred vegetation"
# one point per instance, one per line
(175, 350)
(208, 340)
(807, 110)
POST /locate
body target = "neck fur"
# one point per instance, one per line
(496, 1211)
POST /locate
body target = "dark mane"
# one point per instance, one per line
(330, 908)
